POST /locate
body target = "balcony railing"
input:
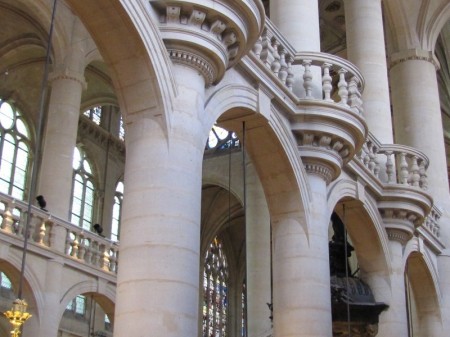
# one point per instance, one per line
(341, 81)
(394, 163)
(58, 235)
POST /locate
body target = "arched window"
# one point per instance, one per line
(215, 291)
(117, 212)
(82, 211)
(14, 151)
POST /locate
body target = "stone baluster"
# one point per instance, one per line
(290, 72)
(403, 169)
(258, 47)
(307, 78)
(283, 73)
(82, 247)
(342, 85)
(423, 175)
(276, 64)
(327, 82)
(389, 168)
(89, 248)
(41, 232)
(354, 95)
(8, 218)
(75, 246)
(104, 263)
(267, 51)
(372, 158)
(415, 175)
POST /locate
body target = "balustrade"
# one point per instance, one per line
(341, 81)
(80, 245)
(401, 164)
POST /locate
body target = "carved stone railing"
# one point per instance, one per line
(58, 235)
(394, 163)
(341, 82)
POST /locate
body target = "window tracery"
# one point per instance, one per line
(14, 151)
(83, 191)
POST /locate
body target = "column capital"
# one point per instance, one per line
(413, 54)
(63, 73)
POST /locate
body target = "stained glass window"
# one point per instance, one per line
(215, 291)
(14, 151)
(117, 211)
(121, 129)
(77, 305)
(94, 114)
(83, 194)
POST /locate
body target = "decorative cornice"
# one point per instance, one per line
(195, 61)
(413, 54)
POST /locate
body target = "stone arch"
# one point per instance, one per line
(104, 294)
(426, 313)
(363, 223)
(269, 144)
(141, 75)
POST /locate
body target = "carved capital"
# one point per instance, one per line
(195, 61)
(400, 224)
(67, 74)
(321, 169)
(414, 54)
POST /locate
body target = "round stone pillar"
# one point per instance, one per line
(158, 278)
(59, 140)
(394, 321)
(418, 121)
(301, 270)
(366, 49)
(257, 236)
(443, 262)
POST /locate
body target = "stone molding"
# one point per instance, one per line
(197, 62)
(411, 55)
(400, 223)
(320, 169)
(216, 33)
(67, 74)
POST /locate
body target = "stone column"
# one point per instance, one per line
(298, 21)
(258, 257)
(158, 277)
(301, 271)
(418, 121)
(394, 321)
(59, 140)
(366, 49)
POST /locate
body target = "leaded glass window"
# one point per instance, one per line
(117, 212)
(77, 305)
(94, 114)
(220, 139)
(14, 151)
(5, 282)
(121, 129)
(215, 291)
(83, 194)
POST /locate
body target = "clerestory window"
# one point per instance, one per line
(117, 212)
(77, 305)
(83, 195)
(94, 114)
(215, 291)
(14, 151)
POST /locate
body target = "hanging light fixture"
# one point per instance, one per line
(18, 314)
